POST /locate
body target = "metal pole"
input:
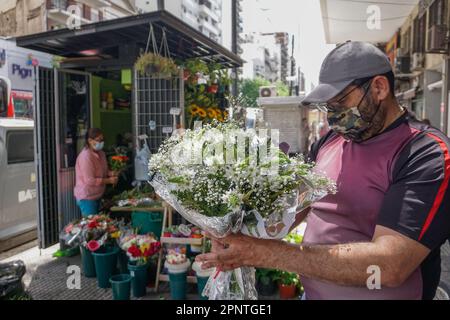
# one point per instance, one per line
(161, 5)
(446, 85)
(445, 98)
(234, 36)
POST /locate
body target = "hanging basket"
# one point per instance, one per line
(157, 63)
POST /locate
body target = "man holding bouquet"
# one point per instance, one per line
(379, 236)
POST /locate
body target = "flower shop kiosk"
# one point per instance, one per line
(94, 83)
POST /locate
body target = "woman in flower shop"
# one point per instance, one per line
(92, 173)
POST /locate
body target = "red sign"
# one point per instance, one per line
(22, 95)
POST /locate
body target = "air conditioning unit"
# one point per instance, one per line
(437, 39)
(417, 61)
(267, 92)
(403, 65)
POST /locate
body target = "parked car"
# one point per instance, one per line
(18, 219)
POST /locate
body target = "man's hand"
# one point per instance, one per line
(232, 252)
(396, 255)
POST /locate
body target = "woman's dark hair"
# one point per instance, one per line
(92, 133)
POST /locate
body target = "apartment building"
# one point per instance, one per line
(21, 17)
(203, 15)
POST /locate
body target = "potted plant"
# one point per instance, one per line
(150, 64)
(265, 281)
(287, 284)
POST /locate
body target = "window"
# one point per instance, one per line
(86, 12)
(20, 145)
(438, 12)
(419, 34)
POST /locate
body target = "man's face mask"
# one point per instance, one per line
(356, 123)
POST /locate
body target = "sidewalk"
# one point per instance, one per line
(46, 278)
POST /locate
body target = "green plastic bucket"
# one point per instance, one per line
(147, 222)
(201, 283)
(139, 279)
(87, 263)
(105, 265)
(121, 286)
(178, 285)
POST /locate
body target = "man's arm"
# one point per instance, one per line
(396, 255)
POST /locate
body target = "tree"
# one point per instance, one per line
(249, 89)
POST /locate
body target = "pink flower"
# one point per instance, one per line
(69, 228)
(93, 245)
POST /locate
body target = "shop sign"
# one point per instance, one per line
(167, 130)
(20, 75)
(175, 111)
(22, 95)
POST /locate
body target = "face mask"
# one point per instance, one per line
(99, 146)
(354, 125)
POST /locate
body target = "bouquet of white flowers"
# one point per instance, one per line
(225, 179)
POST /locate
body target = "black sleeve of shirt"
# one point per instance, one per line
(417, 204)
(315, 148)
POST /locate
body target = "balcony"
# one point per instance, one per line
(96, 4)
(215, 29)
(190, 19)
(57, 10)
(206, 10)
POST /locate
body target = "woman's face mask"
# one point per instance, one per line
(99, 146)
(358, 123)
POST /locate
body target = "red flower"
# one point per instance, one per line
(93, 245)
(134, 251)
(93, 224)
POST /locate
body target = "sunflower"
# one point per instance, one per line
(194, 110)
(201, 113)
(212, 113)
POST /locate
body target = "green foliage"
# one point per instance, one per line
(250, 90)
(265, 276)
(149, 63)
(287, 278)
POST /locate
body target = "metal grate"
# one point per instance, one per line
(154, 98)
(46, 158)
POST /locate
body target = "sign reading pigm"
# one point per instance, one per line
(27, 195)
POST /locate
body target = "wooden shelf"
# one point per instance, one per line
(174, 240)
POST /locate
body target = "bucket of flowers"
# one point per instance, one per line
(140, 249)
(218, 178)
(177, 265)
(94, 234)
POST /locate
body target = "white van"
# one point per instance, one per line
(18, 182)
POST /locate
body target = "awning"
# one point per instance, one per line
(183, 40)
(364, 20)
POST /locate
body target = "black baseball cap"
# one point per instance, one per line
(346, 63)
